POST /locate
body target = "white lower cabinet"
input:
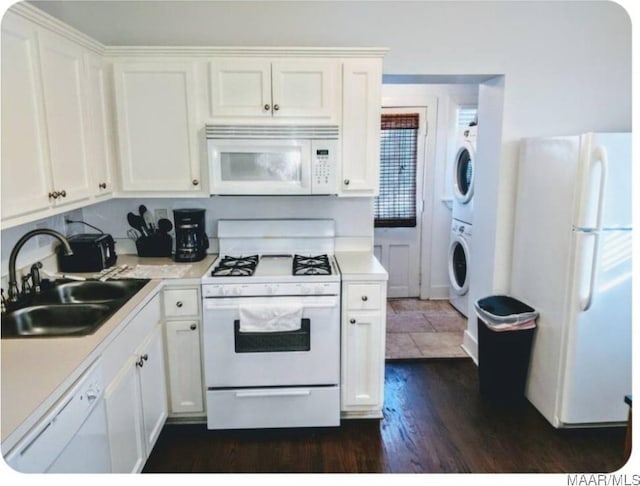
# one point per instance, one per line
(363, 344)
(185, 370)
(136, 397)
(183, 322)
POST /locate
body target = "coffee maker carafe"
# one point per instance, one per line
(191, 240)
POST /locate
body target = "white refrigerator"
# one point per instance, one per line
(572, 263)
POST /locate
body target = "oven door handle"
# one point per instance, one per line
(305, 302)
(273, 393)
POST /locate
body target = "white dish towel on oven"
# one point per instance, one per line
(270, 317)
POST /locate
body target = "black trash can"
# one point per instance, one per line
(505, 334)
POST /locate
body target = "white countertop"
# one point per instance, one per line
(360, 265)
(35, 372)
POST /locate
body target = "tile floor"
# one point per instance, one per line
(424, 329)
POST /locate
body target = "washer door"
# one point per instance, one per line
(458, 265)
(463, 173)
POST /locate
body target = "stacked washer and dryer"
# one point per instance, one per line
(462, 219)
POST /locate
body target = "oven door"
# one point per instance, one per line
(249, 167)
(306, 356)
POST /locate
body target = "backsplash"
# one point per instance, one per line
(353, 217)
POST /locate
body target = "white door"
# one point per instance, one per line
(64, 83)
(25, 168)
(399, 248)
(185, 371)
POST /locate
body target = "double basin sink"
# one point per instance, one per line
(69, 308)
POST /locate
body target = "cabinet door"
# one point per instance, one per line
(124, 421)
(362, 82)
(100, 147)
(152, 387)
(240, 88)
(157, 133)
(185, 370)
(63, 87)
(25, 169)
(306, 90)
(363, 361)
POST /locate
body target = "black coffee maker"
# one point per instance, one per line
(191, 240)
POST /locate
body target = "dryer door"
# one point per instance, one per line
(458, 265)
(463, 173)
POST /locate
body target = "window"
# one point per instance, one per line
(395, 206)
(467, 115)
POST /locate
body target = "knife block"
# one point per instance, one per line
(156, 245)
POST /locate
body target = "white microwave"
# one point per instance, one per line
(273, 160)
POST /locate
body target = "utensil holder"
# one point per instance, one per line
(156, 245)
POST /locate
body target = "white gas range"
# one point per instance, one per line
(272, 326)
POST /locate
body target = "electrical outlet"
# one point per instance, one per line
(160, 214)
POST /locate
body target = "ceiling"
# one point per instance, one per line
(226, 23)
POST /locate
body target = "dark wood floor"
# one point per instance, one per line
(434, 422)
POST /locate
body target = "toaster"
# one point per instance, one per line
(91, 253)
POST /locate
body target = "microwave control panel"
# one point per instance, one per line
(324, 157)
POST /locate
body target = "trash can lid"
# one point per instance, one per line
(503, 309)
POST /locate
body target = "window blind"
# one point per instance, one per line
(395, 206)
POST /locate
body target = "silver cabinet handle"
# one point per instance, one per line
(179, 303)
(102, 185)
(193, 327)
(54, 195)
(352, 321)
(267, 107)
(195, 182)
(364, 298)
(276, 107)
(346, 182)
(63, 193)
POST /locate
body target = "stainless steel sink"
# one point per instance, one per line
(91, 291)
(55, 320)
(69, 308)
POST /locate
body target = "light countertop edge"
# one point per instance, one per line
(360, 265)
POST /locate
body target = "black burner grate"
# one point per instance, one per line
(311, 265)
(230, 266)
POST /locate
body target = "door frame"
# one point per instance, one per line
(425, 205)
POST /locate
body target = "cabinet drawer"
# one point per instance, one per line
(273, 407)
(181, 302)
(363, 296)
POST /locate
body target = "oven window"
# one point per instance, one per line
(272, 342)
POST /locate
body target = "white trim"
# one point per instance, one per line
(253, 51)
(470, 345)
(38, 17)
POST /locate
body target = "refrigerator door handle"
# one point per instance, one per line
(600, 155)
(585, 302)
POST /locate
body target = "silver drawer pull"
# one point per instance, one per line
(352, 321)
(179, 303)
(364, 298)
(193, 327)
(273, 393)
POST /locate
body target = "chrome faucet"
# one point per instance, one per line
(13, 283)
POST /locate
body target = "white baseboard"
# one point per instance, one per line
(438, 292)
(470, 345)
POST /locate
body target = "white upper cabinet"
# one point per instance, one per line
(361, 109)
(48, 131)
(64, 98)
(287, 90)
(100, 143)
(156, 125)
(25, 167)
